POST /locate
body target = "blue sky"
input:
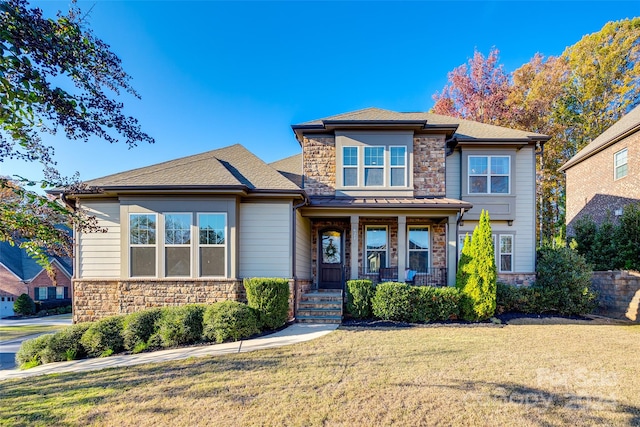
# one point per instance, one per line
(212, 73)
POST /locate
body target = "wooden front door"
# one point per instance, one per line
(330, 259)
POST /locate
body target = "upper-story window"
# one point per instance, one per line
(373, 166)
(489, 174)
(620, 164)
(350, 166)
(398, 157)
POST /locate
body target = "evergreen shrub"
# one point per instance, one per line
(270, 298)
(24, 305)
(359, 295)
(104, 337)
(229, 320)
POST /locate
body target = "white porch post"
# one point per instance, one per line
(355, 246)
(402, 246)
(452, 250)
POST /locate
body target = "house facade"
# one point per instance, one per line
(373, 194)
(21, 274)
(604, 176)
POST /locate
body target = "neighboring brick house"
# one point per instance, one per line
(604, 176)
(374, 194)
(20, 274)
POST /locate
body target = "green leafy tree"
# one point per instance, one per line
(55, 75)
(24, 305)
(627, 238)
(477, 282)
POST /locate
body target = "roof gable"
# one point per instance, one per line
(18, 261)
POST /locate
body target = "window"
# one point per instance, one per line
(376, 242)
(177, 244)
(42, 294)
(142, 241)
(506, 253)
(212, 243)
(489, 174)
(398, 166)
(373, 166)
(419, 248)
(350, 166)
(620, 164)
(60, 292)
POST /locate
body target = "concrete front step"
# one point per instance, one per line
(309, 305)
(320, 307)
(319, 312)
(318, 319)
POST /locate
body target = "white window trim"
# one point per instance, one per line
(383, 166)
(199, 245)
(404, 166)
(409, 250)
(356, 166)
(500, 253)
(366, 246)
(488, 175)
(173, 245)
(616, 165)
(138, 245)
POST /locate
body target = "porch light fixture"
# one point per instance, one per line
(509, 222)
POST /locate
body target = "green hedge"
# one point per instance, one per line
(31, 352)
(436, 304)
(405, 303)
(138, 328)
(66, 345)
(521, 299)
(178, 325)
(359, 295)
(392, 301)
(229, 320)
(270, 298)
(104, 337)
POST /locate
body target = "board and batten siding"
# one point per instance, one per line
(99, 253)
(303, 247)
(525, 222)
(453, 189)
(265, 240)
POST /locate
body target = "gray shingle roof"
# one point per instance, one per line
(628, 123)
(228, 166)
(22, 265)
(467, 129)
(290, 168)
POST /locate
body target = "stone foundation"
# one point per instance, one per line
(96, 299)
(517, 279)
(618, 294)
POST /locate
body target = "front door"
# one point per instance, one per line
(330, 260)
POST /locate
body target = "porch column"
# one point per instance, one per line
(452, 250)
(402, 246)
(355, 246)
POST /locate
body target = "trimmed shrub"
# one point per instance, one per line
(179, 325)
(444, 304)
(104, 337)
(138, 328)
(65, 344)
(30, 352)
(229, 320)
(52, 304)
(270, 298)
(359, 294)
(477, 275)
(521, 299)
(564, 281)
(24, 305)
(392, 301)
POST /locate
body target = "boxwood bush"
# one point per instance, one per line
(270, 298)
(31, 351)
(178, 325)
(104, 337)
(65, 344)
(359, 295)
(229, 320)
(392, 301)
(521, 299)
(138, 328)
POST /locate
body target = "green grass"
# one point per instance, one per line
(526, 375)
(10, 333)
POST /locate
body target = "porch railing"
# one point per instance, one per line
(436, 276)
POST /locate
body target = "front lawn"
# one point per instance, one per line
(10, 333)
(526, 375)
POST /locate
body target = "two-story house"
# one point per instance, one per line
(374, 194)
(604, 177)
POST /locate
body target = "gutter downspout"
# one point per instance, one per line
(305, 201)
(460, 215)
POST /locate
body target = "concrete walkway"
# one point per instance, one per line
(293, 334)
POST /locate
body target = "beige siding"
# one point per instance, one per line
(525, 222)
(453, 176)
(265, 239)
(99, 253)
(303, 247)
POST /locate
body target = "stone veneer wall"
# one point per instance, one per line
(319, 165)
(429, 166)
(95, 299)
(517, 279)
(618, 294)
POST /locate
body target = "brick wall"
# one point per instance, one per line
(618, 294)
(319, 165)
(43, 280)
(591, 188)
(429, 166)
(95, 299)
(10, 284)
